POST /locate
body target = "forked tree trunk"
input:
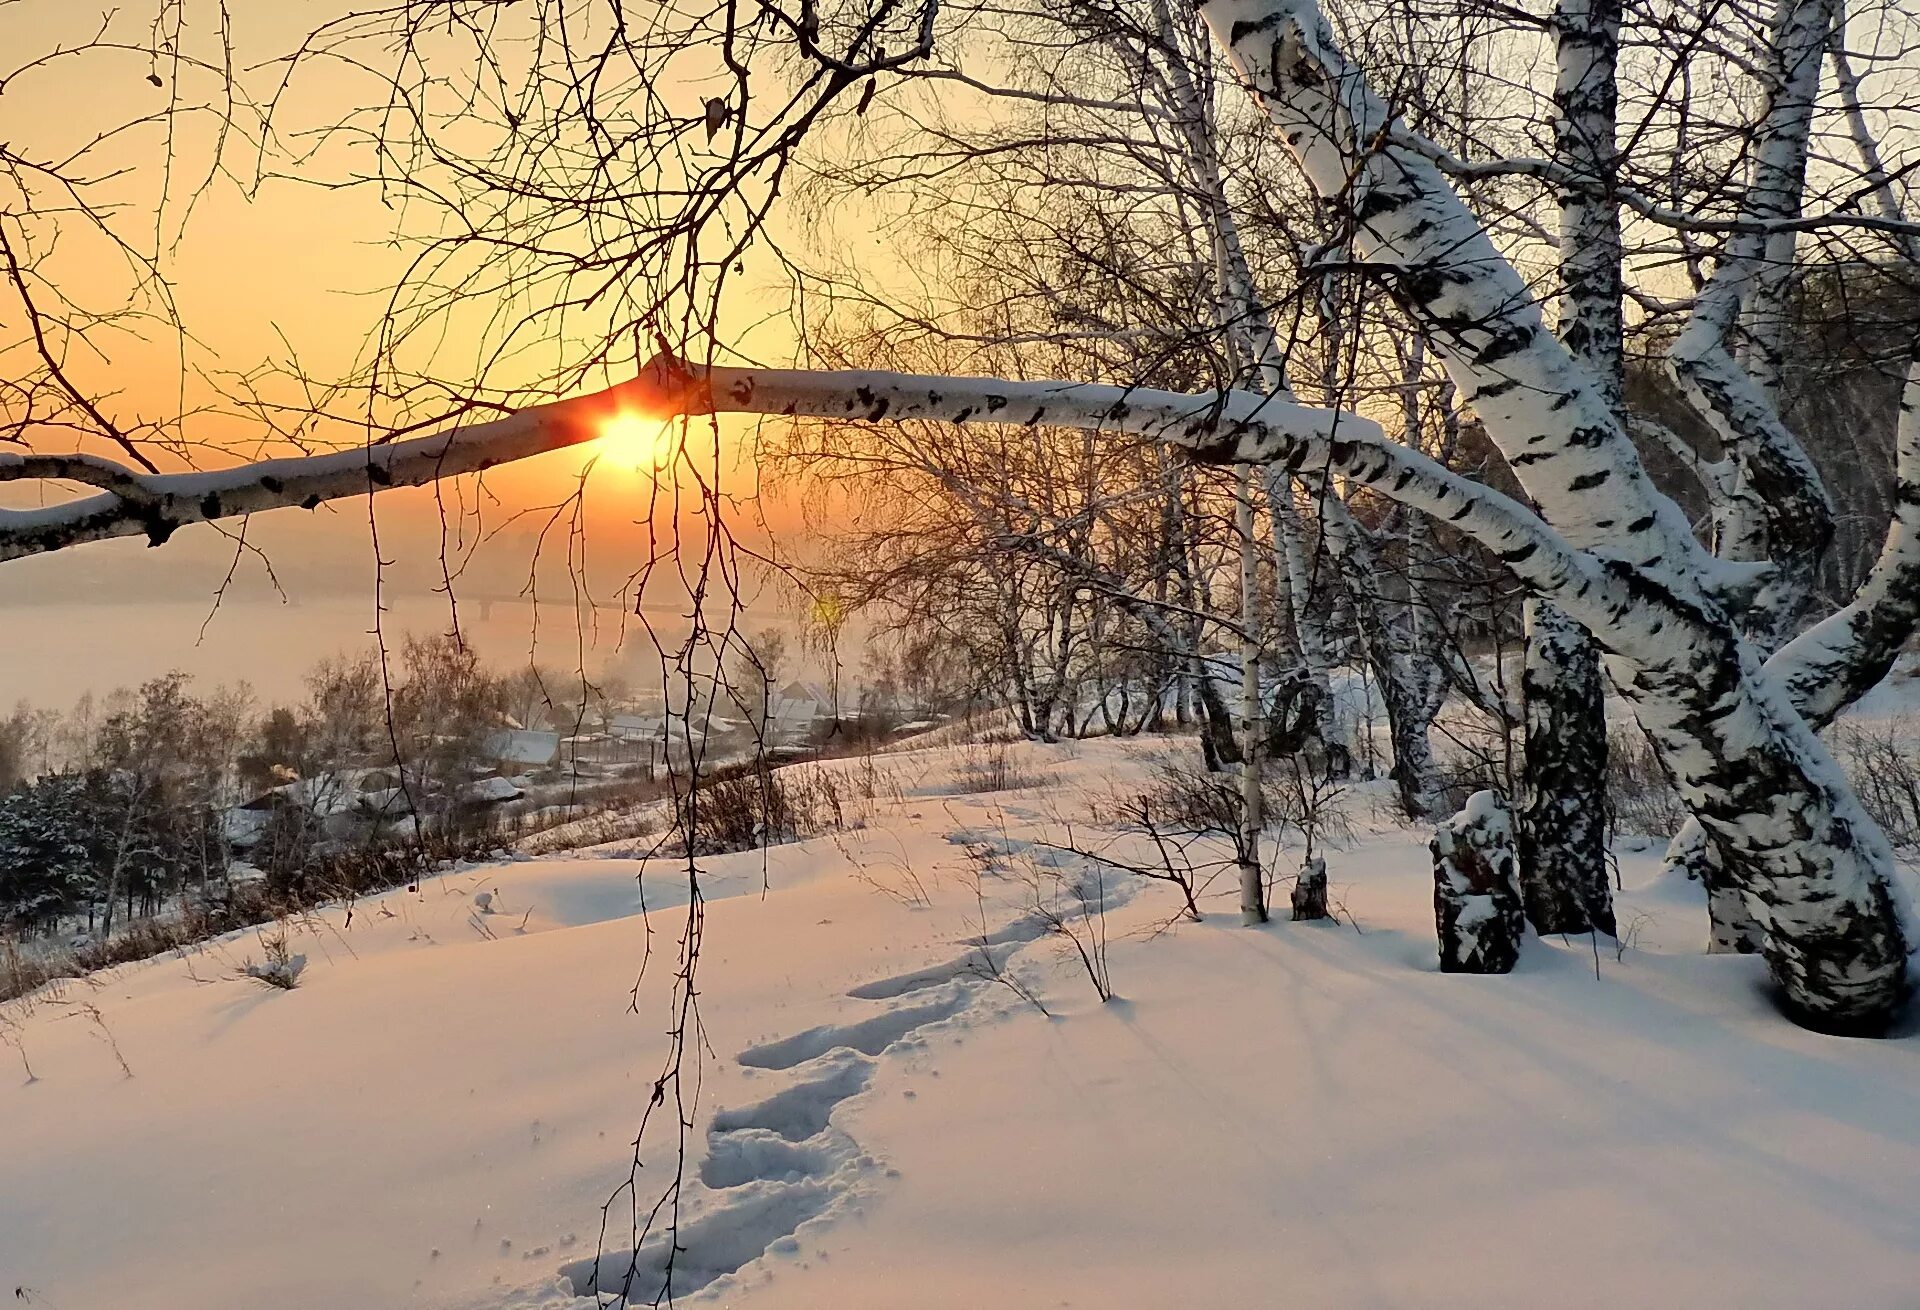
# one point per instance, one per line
(1826, 669)
(1772, 507)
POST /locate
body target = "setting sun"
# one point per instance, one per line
(645, 443)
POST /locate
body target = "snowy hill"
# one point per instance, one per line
(1301, 1114)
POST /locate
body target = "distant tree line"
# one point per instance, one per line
(123, 805)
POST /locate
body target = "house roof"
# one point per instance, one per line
(524, 747)
(803, 689)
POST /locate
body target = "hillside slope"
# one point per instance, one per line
(1303, 1114)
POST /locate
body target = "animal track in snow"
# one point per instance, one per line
(744, 1155)
(974, 964)
(979, 964)
(1027, 928)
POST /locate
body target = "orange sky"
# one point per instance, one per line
(298, 270)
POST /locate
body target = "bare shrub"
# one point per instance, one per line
(1879, 761)
(1172, 861)
(1074, 911)
(820, 800)
(982, 962)
(1181, 795)
(1639, 796)
(875, 783)
(740, 812)
(281, 969)
(1063, 893)
(990, 766)
(1303, 797)
(896, 879)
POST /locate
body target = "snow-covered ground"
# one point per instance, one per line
(1299, 1115)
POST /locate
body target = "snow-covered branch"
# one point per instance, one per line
(1549, 416)
(1214, 427)
(1775, 508)
(154, 505)
(1830, 665)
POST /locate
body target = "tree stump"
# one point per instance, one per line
(1477, 907)
(1310, 891)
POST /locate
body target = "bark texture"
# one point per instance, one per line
(1732, 928)
(1561, 822)
(1562, 828)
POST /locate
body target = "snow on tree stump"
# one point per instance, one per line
(1310, 891)
(1477, 907)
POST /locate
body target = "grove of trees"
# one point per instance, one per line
(1164, 358)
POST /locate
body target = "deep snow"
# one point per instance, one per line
(1299, 1115)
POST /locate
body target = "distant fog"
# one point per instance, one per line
(115, 614)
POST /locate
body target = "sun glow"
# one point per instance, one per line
(644, 443)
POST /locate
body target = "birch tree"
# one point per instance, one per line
(1561, 827)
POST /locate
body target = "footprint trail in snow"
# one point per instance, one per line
(779, 1163)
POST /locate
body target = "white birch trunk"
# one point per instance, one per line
(1253, 895)
(1309, 630)
(1561, 820)
(1779, 511)
(1826, 669)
